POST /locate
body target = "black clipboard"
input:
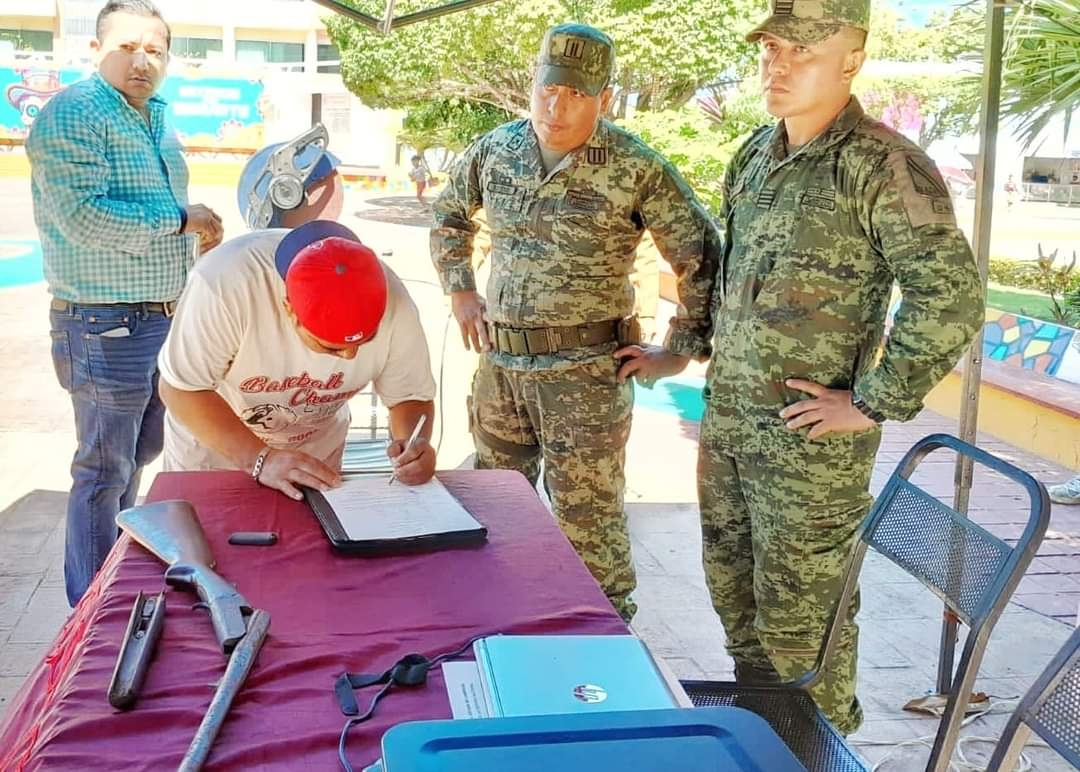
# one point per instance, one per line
(428, 542)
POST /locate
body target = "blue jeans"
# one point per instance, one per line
(106, 357)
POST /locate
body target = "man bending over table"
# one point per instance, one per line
(278, 328)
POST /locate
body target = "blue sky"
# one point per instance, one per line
(916, 11)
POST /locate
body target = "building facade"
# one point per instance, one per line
(282, 44)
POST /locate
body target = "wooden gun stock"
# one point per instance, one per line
(171, 531)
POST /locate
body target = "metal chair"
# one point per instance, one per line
(1050, 709)
(365, 447)
(970, 569)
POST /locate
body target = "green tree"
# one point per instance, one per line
(696, 145)
(448, 123)
(667, 49)
(932, 104)
(927, 107)
(1041, 81)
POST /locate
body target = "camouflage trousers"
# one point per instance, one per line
(576, 421)
(777, 530)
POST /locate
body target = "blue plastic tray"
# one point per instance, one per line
(688, 740)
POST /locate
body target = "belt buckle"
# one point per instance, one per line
(555, 340)
(518, 343)
(538, 341)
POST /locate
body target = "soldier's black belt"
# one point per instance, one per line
(550, 340)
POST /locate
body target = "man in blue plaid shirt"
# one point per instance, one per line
(118, 237)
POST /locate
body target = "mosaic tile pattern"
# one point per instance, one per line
(1031, 344)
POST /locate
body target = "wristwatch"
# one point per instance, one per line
(860, 404)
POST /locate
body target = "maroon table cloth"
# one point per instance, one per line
(329, 613)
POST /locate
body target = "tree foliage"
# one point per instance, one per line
(696, 145)
(925, 106)
(667, 49)
(449, 123)
(1041, 81)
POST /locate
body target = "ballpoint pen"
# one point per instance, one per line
(410, 443)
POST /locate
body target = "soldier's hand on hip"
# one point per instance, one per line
(471, 314)
(829, 410)
(285, 469)
(649, 363)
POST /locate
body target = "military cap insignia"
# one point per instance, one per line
(596, 155)
(574, 48)
(783, 7)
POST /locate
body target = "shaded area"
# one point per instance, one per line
(399, 210)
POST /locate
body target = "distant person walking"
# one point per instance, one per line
(1012, 191)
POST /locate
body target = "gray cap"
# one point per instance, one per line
(811, 21)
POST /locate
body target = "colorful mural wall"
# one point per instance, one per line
(1032, 344)
(207, 112)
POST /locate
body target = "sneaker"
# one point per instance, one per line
(1066, 493)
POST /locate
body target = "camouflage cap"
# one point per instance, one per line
(578, 56)
(811, 21)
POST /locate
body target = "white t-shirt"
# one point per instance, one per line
(231, 334)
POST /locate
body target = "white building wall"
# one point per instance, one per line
(360, 136)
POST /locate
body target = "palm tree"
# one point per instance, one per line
(1041, 79)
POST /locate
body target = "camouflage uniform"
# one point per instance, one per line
(813, 243)
(563, 248)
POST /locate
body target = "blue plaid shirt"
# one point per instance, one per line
(108, 190)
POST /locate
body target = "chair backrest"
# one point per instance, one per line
(1050, 709)
(970, 569)
(365, 447)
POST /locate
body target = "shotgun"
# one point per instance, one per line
(171, 531)
(236, 672)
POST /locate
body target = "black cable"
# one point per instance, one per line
(356, 720)
(393, 677)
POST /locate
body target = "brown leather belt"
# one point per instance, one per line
(167, 308)
(549, 340)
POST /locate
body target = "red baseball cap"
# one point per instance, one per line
(335, 285)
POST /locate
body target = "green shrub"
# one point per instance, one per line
(1015, 273)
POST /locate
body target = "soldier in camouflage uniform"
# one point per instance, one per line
(568, 197)
(822, 213)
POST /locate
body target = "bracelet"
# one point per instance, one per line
(256, 468)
